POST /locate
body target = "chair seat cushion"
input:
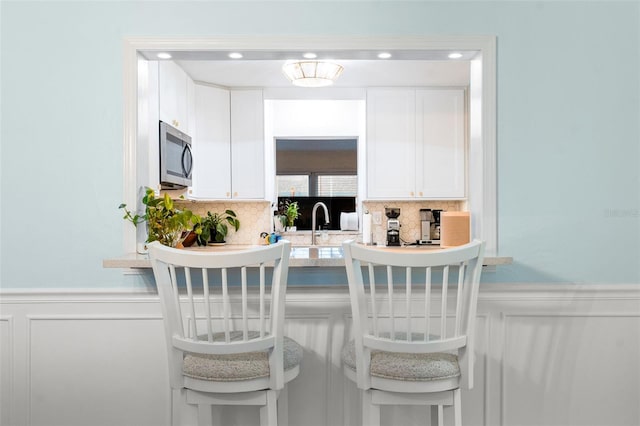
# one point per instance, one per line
(242, 366)
(406, 366)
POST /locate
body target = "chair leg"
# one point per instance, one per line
(205, 418)
(370, 411)
(437, 415)
(176, 401)
(457, 407)
(182, 413)
(283, 407)
(269, 412)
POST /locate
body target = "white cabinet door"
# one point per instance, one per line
(191, 107)
(440, 143)
(391, 143)
(247, 144)
(211, 144)
(173, 95)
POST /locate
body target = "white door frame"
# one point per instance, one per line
(482, 188)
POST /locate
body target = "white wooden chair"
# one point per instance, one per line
(231, 348)
(412, 346)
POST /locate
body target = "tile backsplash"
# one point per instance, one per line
(256, 217)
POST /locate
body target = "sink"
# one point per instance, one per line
(316, 252)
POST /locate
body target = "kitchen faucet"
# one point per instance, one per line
(313, 219)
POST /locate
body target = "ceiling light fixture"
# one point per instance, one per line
(312, 73)
(455, 55)
(309, 55)
(235, 55)
(164, 55)
(384, 55)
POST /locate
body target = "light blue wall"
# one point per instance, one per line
(568, 124)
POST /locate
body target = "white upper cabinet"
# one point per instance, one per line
(416, 143)
(228, 144)
(391, 143)
(440, 151)
(247, 144)
(211, 144)
(174, 89)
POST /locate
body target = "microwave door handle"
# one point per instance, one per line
(187, 150)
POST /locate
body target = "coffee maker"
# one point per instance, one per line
(393, 226)
(435, 227)
(429, 226)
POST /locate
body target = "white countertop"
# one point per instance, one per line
(301, 256)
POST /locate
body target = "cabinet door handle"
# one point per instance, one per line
(235, 194)
(420, 193)
(228, 194)
(411, 193)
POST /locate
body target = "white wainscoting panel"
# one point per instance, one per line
(97, 367)
(571, 369)
(6, 368)
(546, 355)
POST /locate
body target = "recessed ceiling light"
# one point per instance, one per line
(384, 55)
(455, 55)
(163, 55)
(309, 55)
(235, 55)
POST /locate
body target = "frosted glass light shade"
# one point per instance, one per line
(312, 73)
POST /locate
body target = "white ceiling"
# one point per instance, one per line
(356, 74)
(362, 68)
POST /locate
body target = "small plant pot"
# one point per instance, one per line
(292, 228)
(278, 224)
(190, 239)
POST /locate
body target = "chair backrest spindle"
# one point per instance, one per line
(192, 307)
(207, 306)
(408, 300)
(427, 304)
(460, 293)
(390, 293)
(226, 309)
(374, 306)
(245, 310)
(261, 302)
(443, 302)
(174, 288)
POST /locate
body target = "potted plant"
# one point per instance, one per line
(292, 213)
(213, 227)
(165, 223)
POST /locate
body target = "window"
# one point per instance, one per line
(321, 169)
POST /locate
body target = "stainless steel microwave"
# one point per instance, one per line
(176, 159)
